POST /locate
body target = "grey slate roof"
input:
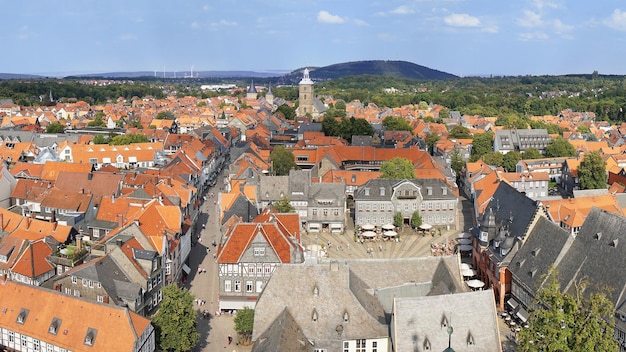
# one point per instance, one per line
(112, 277)
(513, 208)
(271, 187)
(362, 288)
(598, 255)
(375, 184)
(241, 207)
(545, 245)
(469, 314)
(322, 291)
(283, 335)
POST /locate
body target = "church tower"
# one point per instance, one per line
(251, 94)
(305, 97)
(269, 96)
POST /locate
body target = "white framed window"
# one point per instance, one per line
(100, 299)
(360, 345)
(346, 346)
(227, 286)
(267, 269)
(259, 251)
(91, 283)
(85, 282)
(237, 286)
(77, 293)
(249, 286)
(68, 291)
(74, 280)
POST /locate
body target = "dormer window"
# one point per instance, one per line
(21, 318)
(598, 235)
(470, 339)
(90, 337)
(429, 191)
(346, 317)
(444, 322)
(367, 191)
(314, 315)
(426, 345)
(444, 191)
(54, 326)
(316, 291)
(382, 191)
(535, 252)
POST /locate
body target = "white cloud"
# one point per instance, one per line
(402, 10)
(560, 27)
(533, 36)
(128, 37)
(461, 20)
(360, 22)
(540, 4)
(617, 20)
(326, 17)
(531, 19)
(491, 29)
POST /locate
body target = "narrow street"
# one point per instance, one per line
(203, 280)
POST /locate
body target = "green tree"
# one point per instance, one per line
(128, 139)
(165, 115)
(481, 145)
(175, 322)
(100, 139)
(98, 120)
(360, 127)
(560, 147)
(397, 168)
(577, 322)
(456, 162)
(416, 219)
(398, 220)
(444, 113)
(423, 105)
(284, 206)
(244, 322)
(283, 160)
(55, 127)
(531, 153)
(510, 159)
(583, 129)
(592, 171)
(459, 131)
(494, 159)
(431, 139)
(397, 124)
(287, 111)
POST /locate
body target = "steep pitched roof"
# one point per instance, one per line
(76, 316)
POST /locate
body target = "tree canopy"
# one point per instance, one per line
(398, 220)
(284, 206)
(456, 162)
(346, 128)
(560, 147)
(510, 159)
(398, 168)
(175, 322)
(459, 131)
(494, 159)
(165, 115)
(55, 127)
(283, 160)
(397, 124)
(416, 219)
(244, 323)
(531, 153)
(577, 322)
(481, 145)
(128, 139)
(592, 171)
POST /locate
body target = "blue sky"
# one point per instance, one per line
(463, 37)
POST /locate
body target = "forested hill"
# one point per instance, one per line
(400, 69)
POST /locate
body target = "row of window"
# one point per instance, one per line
(529, 184)
(325, 212)
(249, 269)
(87, 283)
(423, 206)
(361, 346)
(235, 286)
(14, 340)
(430, 219)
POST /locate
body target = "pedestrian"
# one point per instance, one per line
(230, 339)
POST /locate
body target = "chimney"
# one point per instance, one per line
(82, 191)
(121, 219)
(112, 197)
(53, 216)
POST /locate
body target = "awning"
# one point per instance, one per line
(368, 234)
(475, 283)
(186, 268)
(522, 314)
(389, 227)
(464, 241)
(335, 226)
(426, 226)
(314, 225)
(367, 227)
(229, 305)
(512, 303)
(465, 248)
(390, 233)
